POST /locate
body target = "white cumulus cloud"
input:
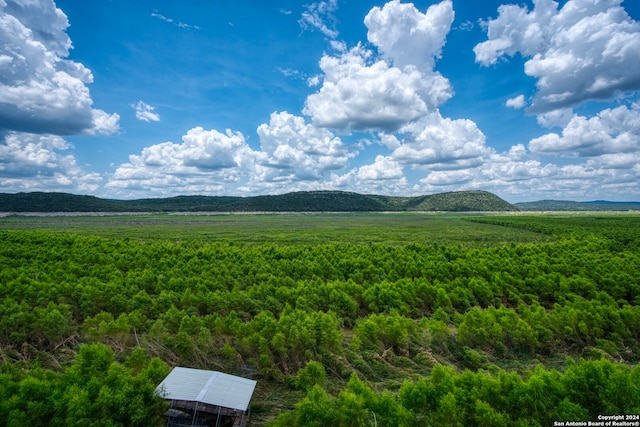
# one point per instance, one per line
(365, 91)
(518, 176)
(518, 102)
(585, 50)
(292, 155)
(611, 131)
(405, 36)
(383, 168)
(205, 161)
(358, 96)
(442, 143)
(294, 150)
(40, 90)
(32, 162)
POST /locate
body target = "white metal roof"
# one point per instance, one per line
(211, 387)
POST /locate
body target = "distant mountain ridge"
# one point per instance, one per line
(302, 201)
(566, 205)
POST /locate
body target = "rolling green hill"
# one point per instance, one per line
(303, 201)
(460, 201)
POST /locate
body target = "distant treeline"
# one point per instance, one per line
(565, 205)
(303, 201)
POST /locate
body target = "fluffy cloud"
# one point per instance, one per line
(361, 92)
(612, 131)
(144, 112)
(505, 174)
(30, 162)
(585, 50)
(296, 150)
(514, 167)
(518, 175)
(212, 150)
(204, 161)
(405, 36)
(383, 176)
(40, 91)
(383, 168)
(357, 96)
(292, 155)
(517, 102)
(442, 143)
(556, 118)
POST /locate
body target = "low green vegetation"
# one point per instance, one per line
(286, 229)
(347, 319)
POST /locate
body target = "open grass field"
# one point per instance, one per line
(287, 229)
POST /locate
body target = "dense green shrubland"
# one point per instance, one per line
(538, 398)
(93, 390)
(411, 334)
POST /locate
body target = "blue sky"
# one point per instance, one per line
(529, 100)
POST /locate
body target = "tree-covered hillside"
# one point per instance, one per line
(303, 201)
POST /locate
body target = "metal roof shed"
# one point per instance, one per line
(198, 397)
